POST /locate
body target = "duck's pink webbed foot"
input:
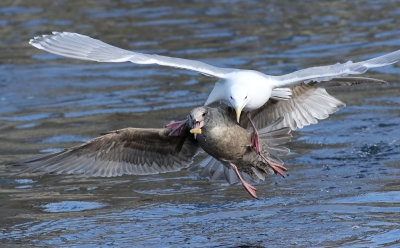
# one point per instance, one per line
(280, 169)
(176, 127)
(248, 187)
(254, 138)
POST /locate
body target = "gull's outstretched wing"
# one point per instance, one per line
(83, 47)
(132, 151)
(307, 105)
(333, 71)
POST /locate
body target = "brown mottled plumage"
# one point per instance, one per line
(132, 151)
(137, 151)
(141, 151)
(231, 144)
(226, 141)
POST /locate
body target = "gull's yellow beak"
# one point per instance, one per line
(238, 112)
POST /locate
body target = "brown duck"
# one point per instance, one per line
(138, 151)
(142, 151)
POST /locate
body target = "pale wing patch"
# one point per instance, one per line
(306, 106)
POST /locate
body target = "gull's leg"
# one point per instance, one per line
(276, 167)
(248, 187)
(176, 127)
(254, 138)
(256, 145)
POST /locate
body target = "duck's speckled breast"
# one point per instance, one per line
(226, 143)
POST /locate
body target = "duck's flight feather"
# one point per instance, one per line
(132, 151)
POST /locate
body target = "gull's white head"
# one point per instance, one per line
(242, 90)
(238, 98)
(246, 90)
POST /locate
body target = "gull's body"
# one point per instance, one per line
(242, 89)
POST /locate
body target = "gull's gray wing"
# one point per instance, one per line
(307, 105)
(83, 47)
(337, 70)
(132, 151)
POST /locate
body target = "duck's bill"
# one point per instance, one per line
(195, 131)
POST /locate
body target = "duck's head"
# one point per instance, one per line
(197, 119)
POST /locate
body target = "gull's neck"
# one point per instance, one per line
(258, 85)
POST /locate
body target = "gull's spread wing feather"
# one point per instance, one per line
(307, 105)
(83, 47)
(337, 70)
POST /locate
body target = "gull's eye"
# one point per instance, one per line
(231, 97)
(204, 114)
(245, 97)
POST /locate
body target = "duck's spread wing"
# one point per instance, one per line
(131, 151)
(320, 73)
(307, 105)
(83, 47)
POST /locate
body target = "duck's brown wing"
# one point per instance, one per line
(132, 151)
